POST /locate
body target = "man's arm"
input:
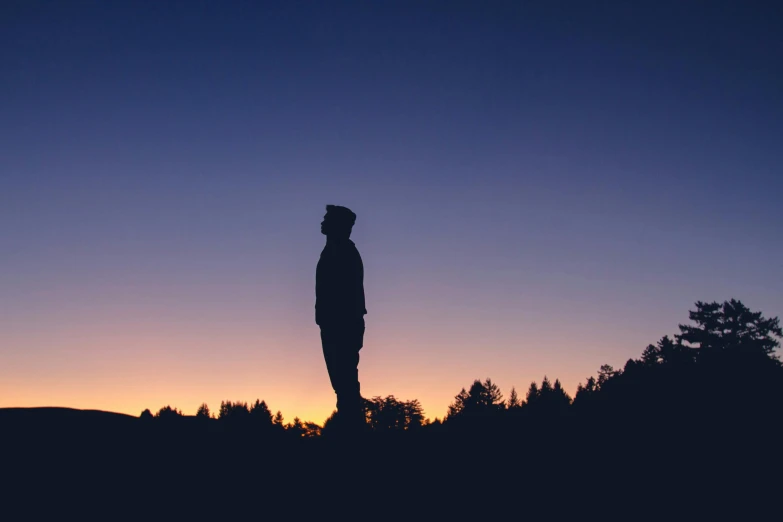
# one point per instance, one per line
(360, 303)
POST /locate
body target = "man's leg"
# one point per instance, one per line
(349, 397)
(341, 352)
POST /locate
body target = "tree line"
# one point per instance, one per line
(690, 377)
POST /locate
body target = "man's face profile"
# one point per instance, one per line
(325, 225)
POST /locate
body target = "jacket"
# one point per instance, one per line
(339, 284)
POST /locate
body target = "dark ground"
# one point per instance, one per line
(63, 463)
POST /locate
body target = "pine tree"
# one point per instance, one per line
(296, 428)
(414, 414)
(560, 395)
(730, 327)
(167, 412)
(482, 398)
(493, 399)
(458, 405)
(260, 413)
(673, 352)
(651, 355)
(585, 394)
(533, 394)
(203, 411)
(233, 411)
(546, 387)
(605, 372)
(513, 400)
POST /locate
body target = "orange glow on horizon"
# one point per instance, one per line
(127, 362)
(140, 374)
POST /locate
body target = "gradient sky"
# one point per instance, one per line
(540, 189)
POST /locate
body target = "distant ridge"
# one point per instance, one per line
(57, 413)
(56, 422)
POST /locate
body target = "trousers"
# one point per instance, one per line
(341, 343)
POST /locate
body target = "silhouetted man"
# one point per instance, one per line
(339, 311)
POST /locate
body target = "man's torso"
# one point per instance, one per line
(339, 285)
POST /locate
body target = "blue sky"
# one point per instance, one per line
(540, 189)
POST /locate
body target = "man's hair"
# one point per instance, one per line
(342, 215)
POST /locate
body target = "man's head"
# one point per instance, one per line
(337, 222)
